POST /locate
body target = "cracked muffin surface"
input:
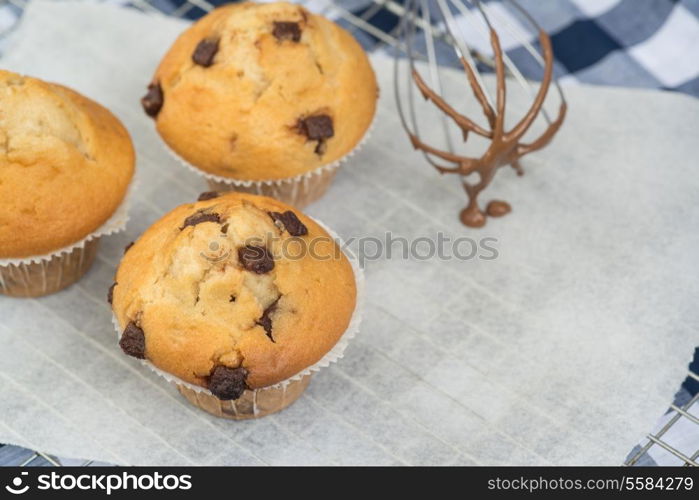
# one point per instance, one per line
(233, 292)
(65, 165)
(262, 91)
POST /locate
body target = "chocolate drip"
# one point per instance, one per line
(505, 146)
(497, 208)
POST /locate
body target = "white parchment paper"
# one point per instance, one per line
(563, 350)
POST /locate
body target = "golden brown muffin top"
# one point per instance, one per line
(65, 165)
(262, 91)
(221, 294)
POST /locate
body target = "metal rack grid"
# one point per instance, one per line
(379, 20)
(657, 438)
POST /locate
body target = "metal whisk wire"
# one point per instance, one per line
(506, 146)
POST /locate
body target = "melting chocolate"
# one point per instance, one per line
(133, 341)
(204, 53)
(208, 195)
(110, 293)
(265, 320)
(505, 147)
(317, 127)
(228, 383)
(285, 30)
(153, 100)
(497, 208)
(199, 217)
(472, 216)
(255, 259)
(289, 221)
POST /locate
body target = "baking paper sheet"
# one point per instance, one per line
(563, 350)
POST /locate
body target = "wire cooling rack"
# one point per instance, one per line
(677, 417)
(375, 23)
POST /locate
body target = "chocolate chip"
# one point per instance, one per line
(321, 147)
(153, 100)
(199, 217)
(290, 222)
(204, 53)
(255, 259)
(224, 228)
(266, 321)
(232, 299)
(228, 383)
(317, 127)
(127, 247)
(208, 195)
(285, 30)
(110, 293)
(133, 341)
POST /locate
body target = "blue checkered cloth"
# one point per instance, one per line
(632, 43)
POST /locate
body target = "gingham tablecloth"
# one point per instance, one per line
(632, 43)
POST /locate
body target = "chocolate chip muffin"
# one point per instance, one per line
(262, 92)
(233, 293)
(66, 164)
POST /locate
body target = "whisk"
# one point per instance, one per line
(426, 23)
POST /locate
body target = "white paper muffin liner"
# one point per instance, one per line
(332, 356)
(303, 178)
(115, 223)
